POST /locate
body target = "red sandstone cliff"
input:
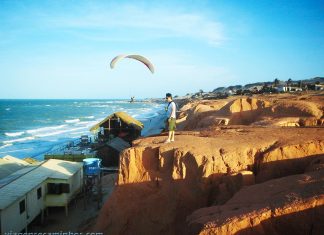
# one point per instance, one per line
(161, 185)
(289, 205)
(261, 111)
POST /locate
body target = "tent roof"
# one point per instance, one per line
(129, 120)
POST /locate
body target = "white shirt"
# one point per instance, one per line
(171, 110)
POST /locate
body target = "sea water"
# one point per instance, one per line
(30, 128)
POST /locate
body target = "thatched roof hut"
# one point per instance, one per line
(118, 124)
(110, 122)
(115, 133)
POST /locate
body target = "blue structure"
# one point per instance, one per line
(92, 181)
(91, 166)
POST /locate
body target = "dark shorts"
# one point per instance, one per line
(172, 124)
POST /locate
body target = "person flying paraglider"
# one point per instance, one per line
(140, 58)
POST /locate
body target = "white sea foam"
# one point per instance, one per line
(13, 134)
(81, 123)
(89, 117)
(109, 102)
(145, 109)
(59, 132)
(118, 102)
(84, 123)
(5, 146)
(45, 129)
(78, 134)
(18, 140)
(17, 150)
(72, 120)
(101, 106)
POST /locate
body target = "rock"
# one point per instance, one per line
(287, 160)
(289, 205)
(218, 155)
(316, 165)
(246, 178)
(274, 111)
(159, 185)
(227, 185)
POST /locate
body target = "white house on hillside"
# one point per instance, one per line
(319, 87)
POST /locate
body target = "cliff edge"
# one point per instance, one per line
(194, 185)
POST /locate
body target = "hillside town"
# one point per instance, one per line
(274, 87)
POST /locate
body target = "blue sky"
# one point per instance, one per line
(62, 49)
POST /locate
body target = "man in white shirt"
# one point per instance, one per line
(171, 114)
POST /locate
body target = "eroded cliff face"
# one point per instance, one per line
(289, 205)
(160, 185)
(291, 111)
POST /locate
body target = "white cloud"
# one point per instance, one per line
(150, 23)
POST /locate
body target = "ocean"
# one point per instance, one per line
(30, 128)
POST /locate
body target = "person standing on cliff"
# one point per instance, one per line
(171, 114)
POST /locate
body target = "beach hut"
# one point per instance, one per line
(118, 124)
(26, 193)
(110, 152)
(63, 183)
(114, 134)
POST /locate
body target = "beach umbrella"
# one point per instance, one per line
(140, 58)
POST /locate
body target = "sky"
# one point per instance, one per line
(62, 49)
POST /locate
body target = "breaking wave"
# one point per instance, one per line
(14, 134)
(72, 120)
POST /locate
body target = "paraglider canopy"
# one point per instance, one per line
(140, 58)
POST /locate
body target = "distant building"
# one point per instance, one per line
(319, 87)
(285, 88)
(255, 88)
(282, 88)
(27, 192)
(294, 89)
